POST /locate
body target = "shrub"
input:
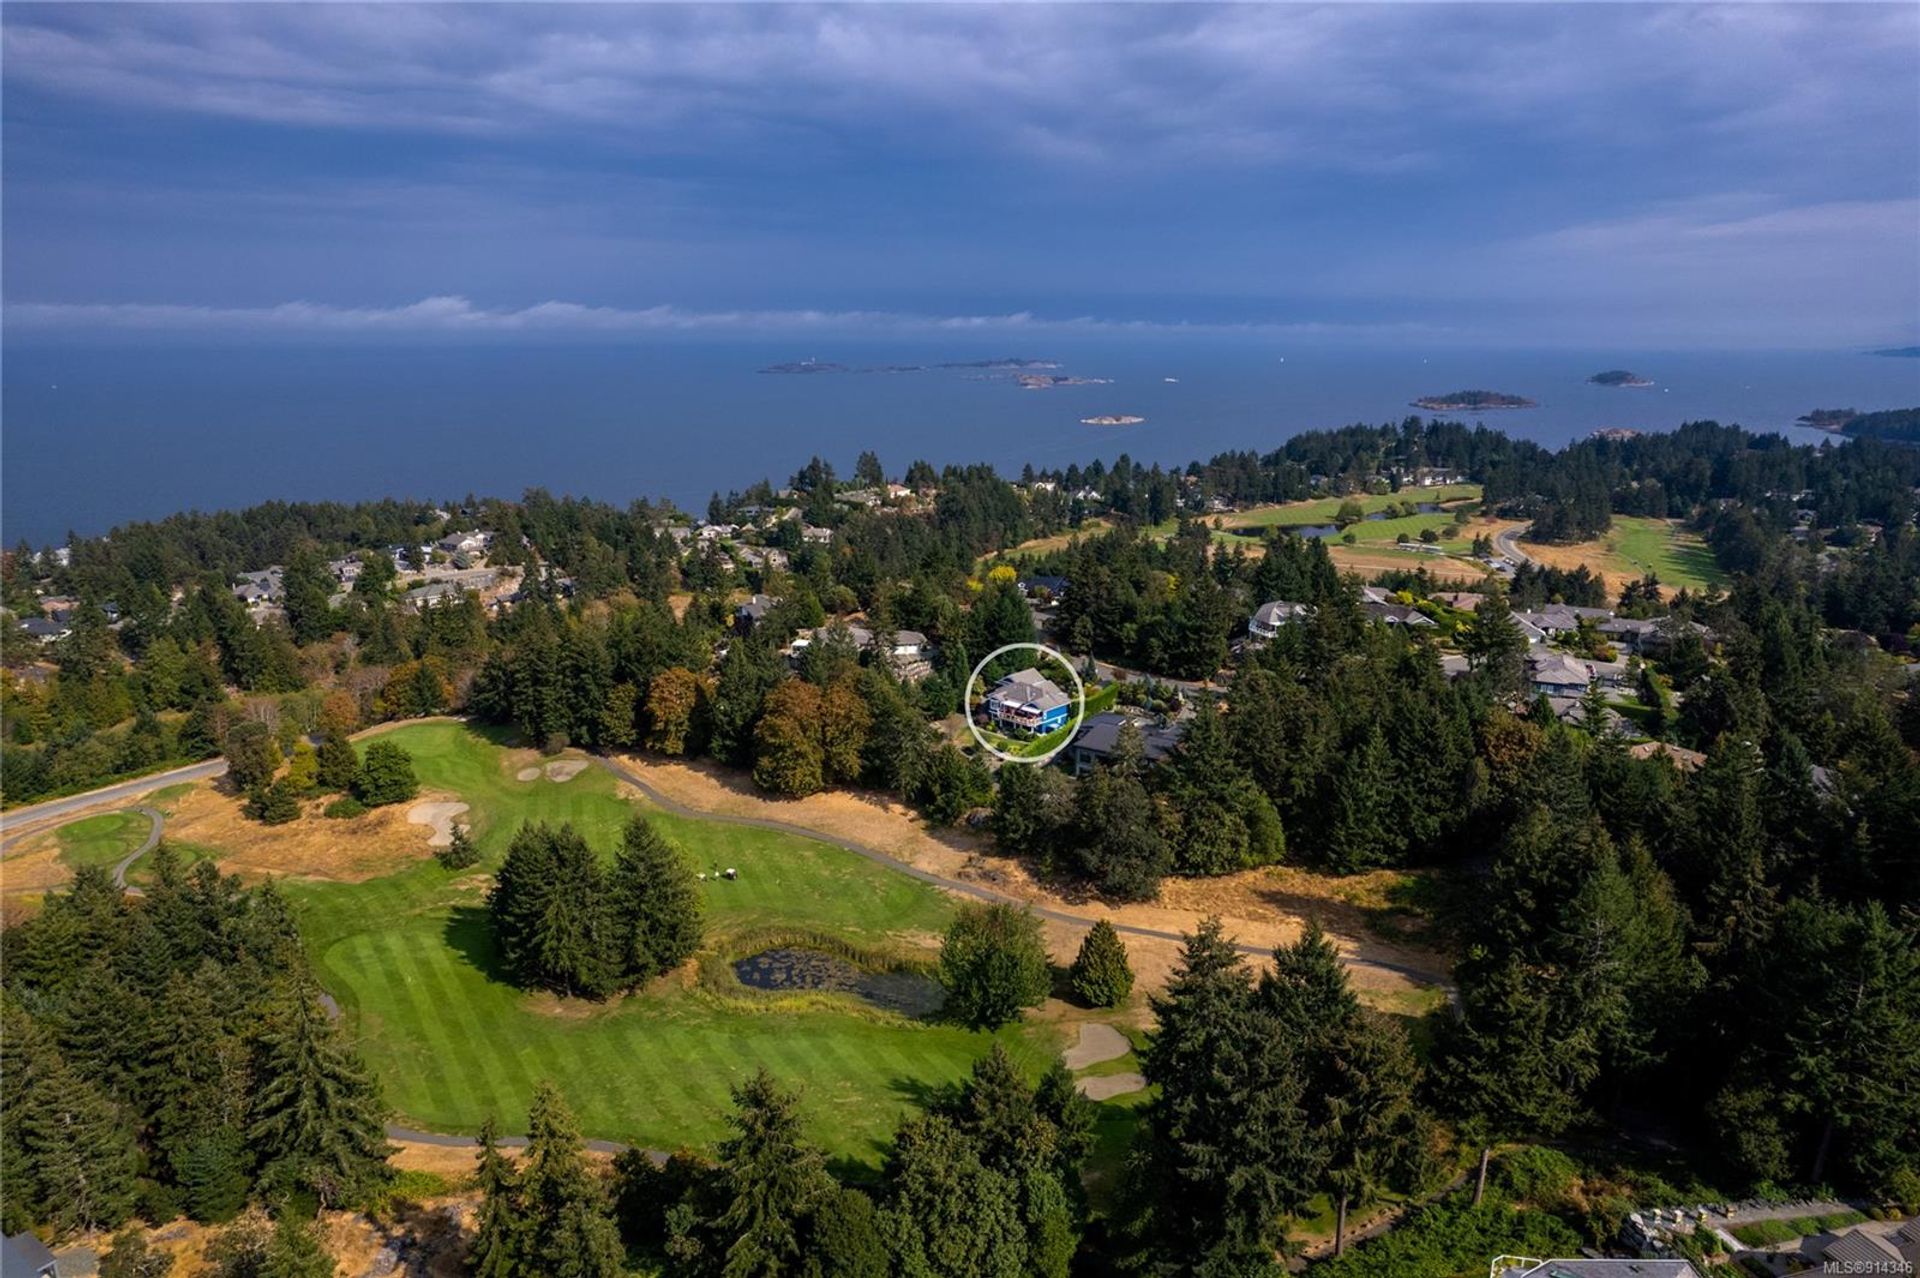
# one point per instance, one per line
(993, 963)
(1100, 975)
(343, 808)
(386, 776)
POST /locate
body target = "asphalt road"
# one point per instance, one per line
(36, 814)
(1507, 542)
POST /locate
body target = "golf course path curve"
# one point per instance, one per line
(974, 890)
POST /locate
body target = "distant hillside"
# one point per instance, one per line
(1901, 425)
(1901, 352)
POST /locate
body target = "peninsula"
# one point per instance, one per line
(1618, 377)
(1047, 381)
(1472, 401)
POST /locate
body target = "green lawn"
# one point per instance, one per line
(1674, 554)
(1321, 510)
(101, 840)
(411, 961)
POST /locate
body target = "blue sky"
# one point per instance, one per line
(1742, 176)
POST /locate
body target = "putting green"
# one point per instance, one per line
(411, 961)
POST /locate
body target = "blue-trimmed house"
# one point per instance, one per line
(1029, 704)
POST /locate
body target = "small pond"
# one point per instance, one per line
(790, 968)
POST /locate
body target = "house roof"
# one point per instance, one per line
(1279, 612)
(1395, 614)
(25, 1255)
(40, 628)
(1558, 669)
(1042, 581)
(1030, 687)
(1101, 732)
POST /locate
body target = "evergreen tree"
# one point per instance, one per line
(1360, 832)
(498, 1248)
(460, 852)
(275, 804)
(74, 1157)
(252, 757)
(1226, 823)
(993, 963)
(656, 905)
(773, 1178)
(339, 762)
(569, 1230)
(317, 1117)
(1227, 1149)
(295, 1251)
(949, 1216)
(385, 776)
(550, 913)
(211, 1166)
(844, 1239)
(1100, 975)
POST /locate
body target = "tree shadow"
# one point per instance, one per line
(469, 933)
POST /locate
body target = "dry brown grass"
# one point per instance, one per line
(315, 847)
(1597, 558)
(1258, 909)
(1369, 561)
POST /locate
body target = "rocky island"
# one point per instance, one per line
(1618, 377)
(1472, 401)
(1108, 419)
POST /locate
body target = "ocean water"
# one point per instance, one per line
(96, 434)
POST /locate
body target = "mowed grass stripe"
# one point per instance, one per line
(452, 1045)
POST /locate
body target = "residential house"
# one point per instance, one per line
(464, 543)
(908, 655)
(1028, 702)
(260, 587)
(765, 558)
(438, 592)
(858, 497)
(818, 536)
(1876, 1248)
(1394, 614)
(1564, 619)
(1460, 600)
(1094, 743)
(1684, 759)
(1557, 674)
(345, 571)
(1533, 633)
(754, 611)
(45, 630)
(23, 1255)
(707, 534)
(1269, 617)
(1049, 588)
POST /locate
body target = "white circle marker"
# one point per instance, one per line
(966, 702)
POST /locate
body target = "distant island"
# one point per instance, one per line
(1106, 419)
(1898, 425)
(1615, 434)
(1900, 352)
(1618, 377)
(806, 366)
(1008, 364)
(1472, 401)
(1046, 381)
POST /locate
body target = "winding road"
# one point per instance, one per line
(1507, 542)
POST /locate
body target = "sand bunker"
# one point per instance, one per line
(438, 815)
(1108, 1086)
(1097, 1043)
(527, 774)
(565, 769)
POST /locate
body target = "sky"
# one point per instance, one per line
(1637, 176)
